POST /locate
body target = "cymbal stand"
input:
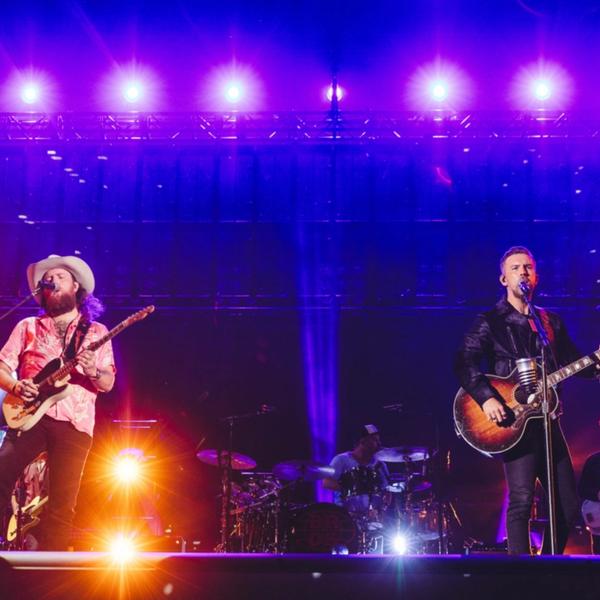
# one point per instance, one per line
(226, 470)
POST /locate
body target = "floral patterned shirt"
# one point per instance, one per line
(35, 341)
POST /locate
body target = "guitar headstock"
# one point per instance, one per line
(139, 315)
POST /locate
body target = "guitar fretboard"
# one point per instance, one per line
(70, 365)
(574, 367)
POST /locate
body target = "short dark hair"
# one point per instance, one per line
(515, 250)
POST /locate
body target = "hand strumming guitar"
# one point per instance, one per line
(494, 410)
(25, 389)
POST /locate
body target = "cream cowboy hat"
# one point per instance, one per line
(77, 267)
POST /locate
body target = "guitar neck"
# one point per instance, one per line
(71, 364)
(574, 367)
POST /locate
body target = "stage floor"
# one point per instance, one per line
(80, 575)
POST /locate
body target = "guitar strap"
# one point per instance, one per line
(76, 339)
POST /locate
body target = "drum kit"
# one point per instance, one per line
(389, 509)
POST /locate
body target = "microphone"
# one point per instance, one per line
(524, 287)
(527, 369)
(46, 285)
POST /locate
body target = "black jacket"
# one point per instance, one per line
(501, 335)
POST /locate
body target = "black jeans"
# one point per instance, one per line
(67, 452)
(522, 466)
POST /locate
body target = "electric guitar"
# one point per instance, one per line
(29, 516)
(53, 380)
(475, 428)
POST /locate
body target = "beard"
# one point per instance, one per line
(59, 304)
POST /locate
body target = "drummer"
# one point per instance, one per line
(372, 476)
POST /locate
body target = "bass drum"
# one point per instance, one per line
(322, 528)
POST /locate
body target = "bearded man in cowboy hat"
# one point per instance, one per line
(63, 286)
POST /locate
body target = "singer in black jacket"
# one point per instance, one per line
(494, 342)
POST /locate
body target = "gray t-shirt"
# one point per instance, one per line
(358, 502)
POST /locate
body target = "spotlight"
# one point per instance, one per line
(130, 87)
(439, 91)
(541, 86)
(122, 548)
(232, 86)
(541, 90)
(439, 85)
(340, 93)
(30, 93)
(400, 544)
(132, 92)
(127, 469)
(233, 92)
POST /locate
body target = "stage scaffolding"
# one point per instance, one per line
(298, 127)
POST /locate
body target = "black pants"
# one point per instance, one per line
(522, 466)
(67, 452)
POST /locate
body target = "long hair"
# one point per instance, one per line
(89, 306)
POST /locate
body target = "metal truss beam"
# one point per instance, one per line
(285, 127)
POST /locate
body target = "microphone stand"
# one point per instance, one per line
(19, 304)
(545, 342)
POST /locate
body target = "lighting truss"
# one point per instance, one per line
(297, 127)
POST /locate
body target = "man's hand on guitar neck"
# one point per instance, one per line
(494, 410)
(87, 361)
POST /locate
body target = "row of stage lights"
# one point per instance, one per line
(438, 85)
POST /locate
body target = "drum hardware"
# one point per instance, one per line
(323, 528)
(219, 458)
(228, 461)
(302, 470)
(402, 454)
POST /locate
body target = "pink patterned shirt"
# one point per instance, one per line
(34, 342)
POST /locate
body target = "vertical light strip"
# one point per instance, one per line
(319, 331)
(319, 336)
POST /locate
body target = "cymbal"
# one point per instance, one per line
(306, 470)
(220, 458)
(418, 484)
(402, 454)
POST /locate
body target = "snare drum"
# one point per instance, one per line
(322, 527)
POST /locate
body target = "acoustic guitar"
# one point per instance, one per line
(520, 405)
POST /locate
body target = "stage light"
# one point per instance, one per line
(130, 87)
(127, 469)
(30, 93)
(123, 548)
(30, 90)
(228, 86)
(439, 85)
(233, 92)
(127, 466)
(540, 86)
(400, 544)
(132, 92)
(339, 95)
(541, 90)
(439, 91)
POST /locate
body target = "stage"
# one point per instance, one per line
(52, 575)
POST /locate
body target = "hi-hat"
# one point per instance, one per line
(220, 458)
(402, 454)
(305, 470)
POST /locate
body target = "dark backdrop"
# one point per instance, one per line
(387, 250)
